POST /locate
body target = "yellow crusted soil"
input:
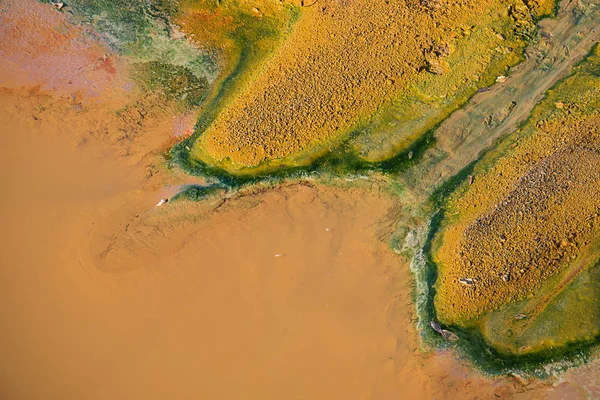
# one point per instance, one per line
(215, 24)
(523, 220)
(541, 7)
(343, 61)
(225, 27)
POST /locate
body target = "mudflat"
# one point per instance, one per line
(288, 292)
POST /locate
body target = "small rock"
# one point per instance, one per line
(446, 334)
(436, 327)
(467, 281)
(161, 202)
(501, 79)
(450, 336)
(431, 4)
(436, 67)
(441, 50)
(520, 316)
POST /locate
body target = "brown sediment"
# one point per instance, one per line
(190, 297)
(276, 293)
(342, 62)
(40, 46)
(267, 289)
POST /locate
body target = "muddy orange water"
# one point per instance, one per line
(284, 293)
(289, 292)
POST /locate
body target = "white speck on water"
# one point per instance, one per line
(277, 255)
(326, 229)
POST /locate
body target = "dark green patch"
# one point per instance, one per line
(175, 82)
(472, 343)
(340, 161)
(127, 23)
(196, 192)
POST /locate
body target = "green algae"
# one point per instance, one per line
(188, 83)
(197, 192)
(141, 30)
(245, 41)
(566, 332)
(339, 161)
(174, 82)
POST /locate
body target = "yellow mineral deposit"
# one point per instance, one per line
(529, 213)
(342, 62)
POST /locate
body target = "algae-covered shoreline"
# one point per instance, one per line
(340, 159)
(541, 363)
(360, 137)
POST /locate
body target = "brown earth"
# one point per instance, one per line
(283, 293)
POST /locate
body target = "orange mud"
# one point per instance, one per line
(290, 292)
(40, 46)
